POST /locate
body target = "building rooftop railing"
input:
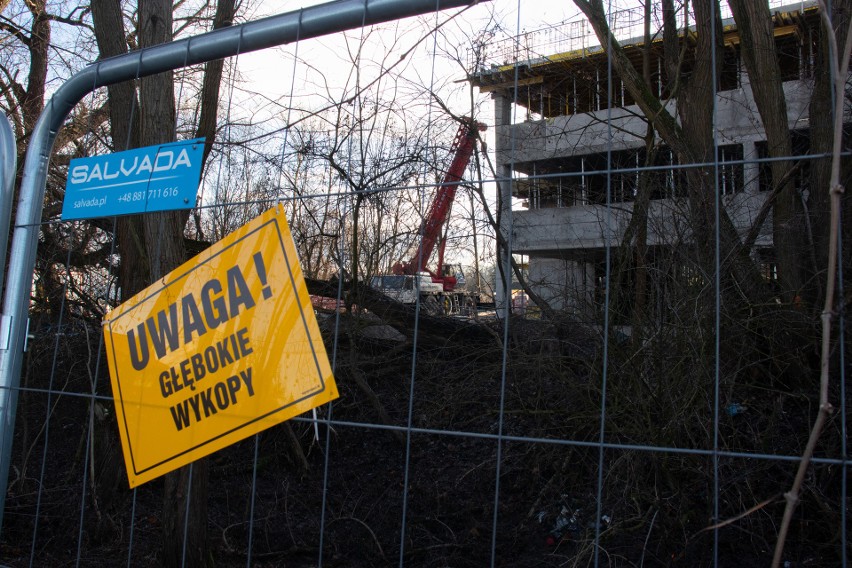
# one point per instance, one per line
(576, 35)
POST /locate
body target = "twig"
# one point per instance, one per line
(745, 513)
(366, 526)
(835, 191)
(647, 537)
(92, 403)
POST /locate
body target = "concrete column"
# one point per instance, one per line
(502, 151)
(751, 170)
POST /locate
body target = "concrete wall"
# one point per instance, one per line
(564, 285)
(622, 128)
(556, 238)
(576, 134)
(592, 227)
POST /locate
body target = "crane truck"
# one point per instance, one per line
(442, 291)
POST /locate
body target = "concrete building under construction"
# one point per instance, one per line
(572, 142)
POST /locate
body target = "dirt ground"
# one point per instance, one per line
(363, 489)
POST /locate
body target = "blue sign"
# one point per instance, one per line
(155, 178)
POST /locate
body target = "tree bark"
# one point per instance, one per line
(207, 121)
(755, 29)
(184, 490)
(821, 141)
(212, 80)
(133, 271)
(33, 101)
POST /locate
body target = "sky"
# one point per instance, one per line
(326, 54)
(270, 83)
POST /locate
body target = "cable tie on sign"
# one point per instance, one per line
(27, 336)
(316, 424)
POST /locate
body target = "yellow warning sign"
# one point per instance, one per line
(219, 349)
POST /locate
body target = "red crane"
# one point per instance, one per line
(439, 211)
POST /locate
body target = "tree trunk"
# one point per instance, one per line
(692, 141)
(755, 28)
(133, 272)
(184, 490)
(39, 43)
(639, 219)
(821, 133)
(212, 80)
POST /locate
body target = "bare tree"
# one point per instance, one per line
(26, 29)
(152, 245)
(692, 138)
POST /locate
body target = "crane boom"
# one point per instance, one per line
(439, 210)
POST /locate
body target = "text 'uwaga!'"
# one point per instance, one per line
(219, 349)
(177, 324)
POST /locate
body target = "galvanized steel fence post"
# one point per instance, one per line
(8, 162)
